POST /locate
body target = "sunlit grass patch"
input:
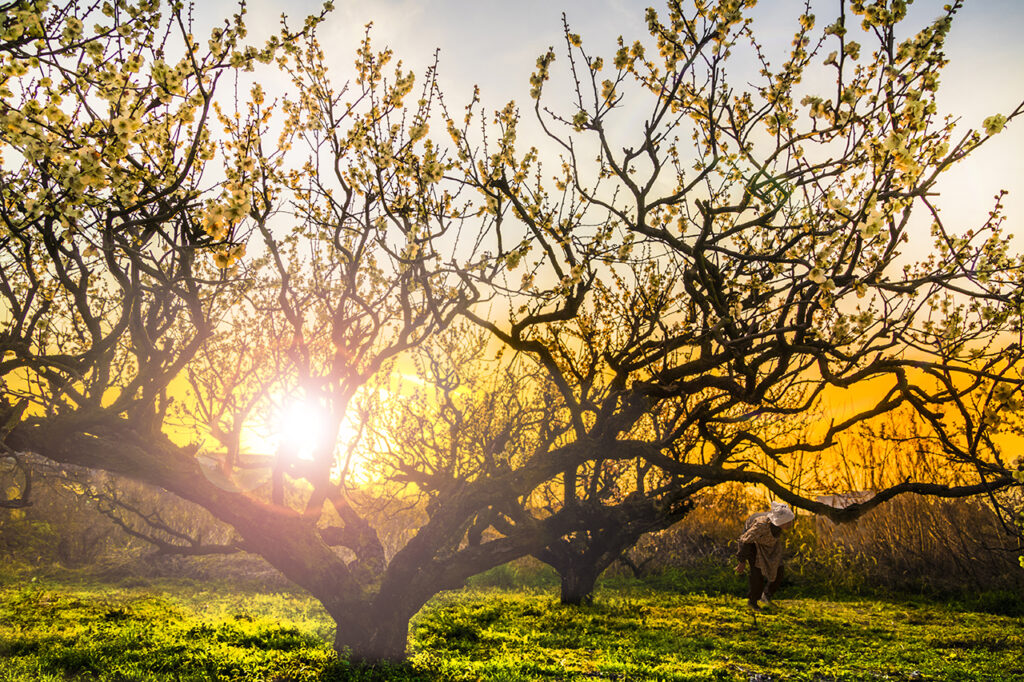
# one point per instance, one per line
(193, 631)
(110, 634)
(646, 635)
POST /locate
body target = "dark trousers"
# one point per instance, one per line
(748, 553)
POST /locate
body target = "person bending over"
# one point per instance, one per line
(760, 545)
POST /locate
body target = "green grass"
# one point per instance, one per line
(640, 634)
(184, 631)
(178, 632)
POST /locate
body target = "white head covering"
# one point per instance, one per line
(780, 514)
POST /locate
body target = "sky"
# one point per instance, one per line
(495, 44)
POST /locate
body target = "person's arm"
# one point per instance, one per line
(744, 554)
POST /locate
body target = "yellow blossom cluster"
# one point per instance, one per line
(994, 124)
(542, 73)
(226, 256)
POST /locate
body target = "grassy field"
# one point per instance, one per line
(183, 630)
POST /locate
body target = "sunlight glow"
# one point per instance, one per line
(302, 429)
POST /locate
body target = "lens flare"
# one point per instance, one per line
(302, 429)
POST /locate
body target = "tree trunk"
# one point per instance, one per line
(371, 635)
(579, 576)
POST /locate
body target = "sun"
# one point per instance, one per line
(302, 429)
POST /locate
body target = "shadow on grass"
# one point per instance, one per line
(344, 671)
